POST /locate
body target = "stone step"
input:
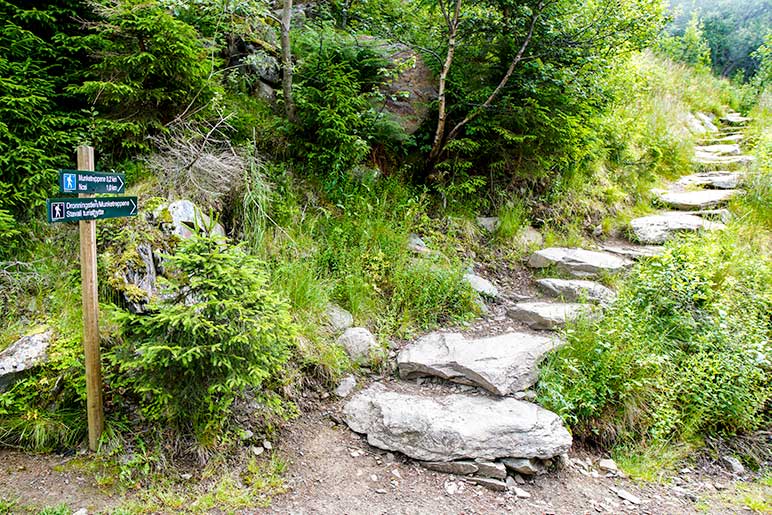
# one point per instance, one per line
(578, 262)
(722, 180)
(577, 290)
(548, 316)
(735, 119)
(694, 200)
(657, 229)
(705, 161)
(635, 252)
(430, 426)
(732, 137)
(502, 364)
(716, 215)
(719, 150)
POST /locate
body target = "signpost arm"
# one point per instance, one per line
(88, 271)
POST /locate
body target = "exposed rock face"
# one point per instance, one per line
(694, 200)
(577, 290)
(548, 315)
(657, 229)
(143, 276)
(184, 217)
(578, 262)
(454, 427)
(481, 285)
(501, 364)
(410, 94)
(25, 353)
(360, 344)
(339, 318)
(719, 180)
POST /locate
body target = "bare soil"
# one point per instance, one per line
(334, 471)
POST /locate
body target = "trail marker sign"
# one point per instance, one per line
(86, 210)
(85, 181)
(98, 208)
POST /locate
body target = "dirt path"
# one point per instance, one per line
(333, 471)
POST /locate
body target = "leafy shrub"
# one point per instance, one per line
(337, 94)
(218, 334)
(683, 352)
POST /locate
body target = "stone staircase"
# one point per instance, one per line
(461, 405)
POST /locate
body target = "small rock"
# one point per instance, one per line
(530, 237)
(373, 477)
(82, 511)
(459, 468)
(489, 223)
(246, 435)
(417, 245)
(607, 465)
(733, 465)
(525, 466)
(451, 488)
(627, 496)
(522, 494)
(491, 469)
(719, 486)
(186, 477)
(493, 484)
(360, 344)
(346, 386)
(380, 491)
(396, 474)
(257, 451)
(267, 445)
(481, 285)
(339, 318)
(519, 479)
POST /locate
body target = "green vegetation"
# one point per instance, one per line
(409, 121)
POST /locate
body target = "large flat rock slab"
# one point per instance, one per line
(578, 262)
(548, 316)
(576, 290)
(720, 180)
(451, 427)
(657, 229)
(24, 354)
(695, 200)
(720, 149)
(501, 364)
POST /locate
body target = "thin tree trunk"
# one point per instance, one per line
(439, 135)
(286, 61)
(504, 80)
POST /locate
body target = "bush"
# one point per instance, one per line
(683, 352)
(218, 335)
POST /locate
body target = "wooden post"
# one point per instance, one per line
(88, 274)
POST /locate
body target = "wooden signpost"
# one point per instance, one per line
(86, 210)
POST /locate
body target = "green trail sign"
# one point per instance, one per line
(76, 209)
(87, 182)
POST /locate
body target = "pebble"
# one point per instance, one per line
(267, 445)
(627, 496)
(522, 494)
(257, 451)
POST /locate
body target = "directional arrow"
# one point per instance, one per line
(96, 208)
(88, 182)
